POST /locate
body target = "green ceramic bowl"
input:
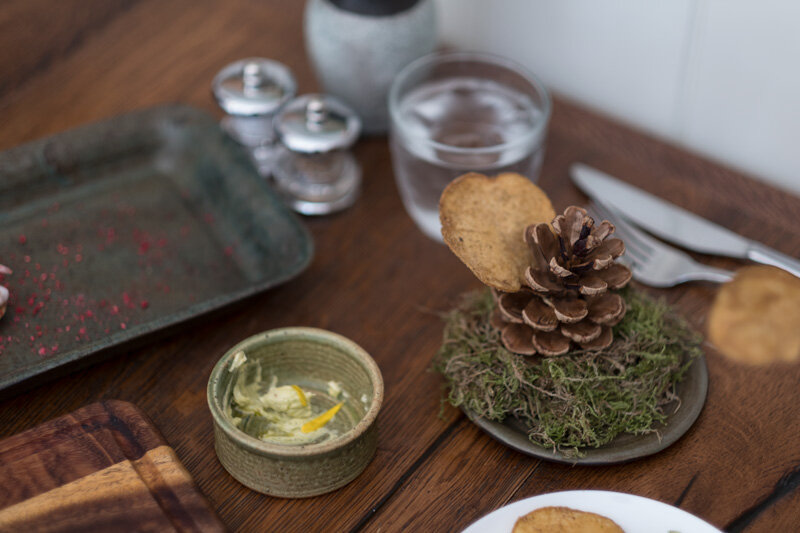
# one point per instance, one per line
(307, 357)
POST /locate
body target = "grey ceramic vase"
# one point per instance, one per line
(357, 47)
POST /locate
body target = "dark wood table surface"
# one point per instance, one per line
(376, 279)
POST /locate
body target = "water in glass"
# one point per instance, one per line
(457, 125)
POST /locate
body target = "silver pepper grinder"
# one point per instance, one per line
(314, 170)
(251, 91)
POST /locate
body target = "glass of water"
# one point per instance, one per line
(454, 113)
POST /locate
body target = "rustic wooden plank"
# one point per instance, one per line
(116, 492)
(696, 471)
(735, 428)
(333, 294)
(102, 467)
(778, 511)
(152, 53)
(434, 497)
(411, 391)
(33, 40)
(373, 278)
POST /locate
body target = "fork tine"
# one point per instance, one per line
(637, 250)
(634, 239)
(653, 262)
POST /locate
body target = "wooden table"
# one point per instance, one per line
(376, 279)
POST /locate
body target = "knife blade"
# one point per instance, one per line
(673, 223)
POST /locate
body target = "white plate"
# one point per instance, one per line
(634, 514)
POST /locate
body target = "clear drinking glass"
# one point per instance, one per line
(454, 113)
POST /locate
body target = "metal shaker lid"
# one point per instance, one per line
(317, 123)
(253, 86)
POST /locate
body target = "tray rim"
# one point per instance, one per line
(36, 373)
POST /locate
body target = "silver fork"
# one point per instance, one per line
(653, 262)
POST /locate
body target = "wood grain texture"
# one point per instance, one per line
(376, 279)
(103, 467)
(32, 40)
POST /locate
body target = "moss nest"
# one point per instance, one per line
(580, 399)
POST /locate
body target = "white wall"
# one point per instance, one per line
(721, 77)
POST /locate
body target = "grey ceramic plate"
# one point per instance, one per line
(124, 228)
(626, 447)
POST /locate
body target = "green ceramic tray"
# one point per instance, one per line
(124, 228)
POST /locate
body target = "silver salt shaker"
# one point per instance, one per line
(251, 91)
(314, 170)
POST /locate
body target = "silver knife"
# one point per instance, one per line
(674, 224)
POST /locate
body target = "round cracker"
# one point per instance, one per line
(756, 317)
(564, 520)
(483, 220)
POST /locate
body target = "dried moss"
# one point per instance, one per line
(581, 399)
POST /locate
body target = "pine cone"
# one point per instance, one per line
(569, 296)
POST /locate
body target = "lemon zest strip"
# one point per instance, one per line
(300, 394)
(321, 420)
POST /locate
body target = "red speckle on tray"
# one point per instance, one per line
(110, 236)
(51, 314)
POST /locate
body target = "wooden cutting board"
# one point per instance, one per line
(104, 467)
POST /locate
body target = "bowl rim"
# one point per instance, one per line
(260, 447)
